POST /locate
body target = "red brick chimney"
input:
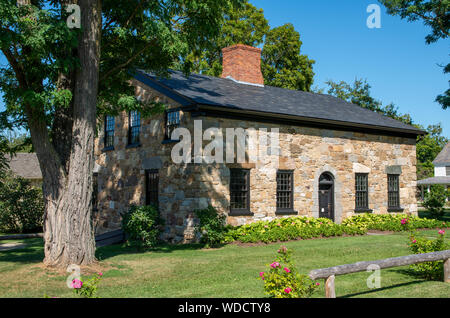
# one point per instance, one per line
(243, 64)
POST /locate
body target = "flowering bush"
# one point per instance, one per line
(419, 245)
(392, 222)
(88, 288)
(283, 281)
(291, 228)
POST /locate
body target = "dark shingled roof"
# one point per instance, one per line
(26, 165)
(226, 93)
(443, 158)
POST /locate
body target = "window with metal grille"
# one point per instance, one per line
(240, 190)
(393, 191)
(285, 184)
(134, 127)
(362, 191)
(151, 187)
(172, 122)
(109, 131)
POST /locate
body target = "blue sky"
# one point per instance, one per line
(395, 59)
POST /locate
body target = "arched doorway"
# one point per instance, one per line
(326, 196)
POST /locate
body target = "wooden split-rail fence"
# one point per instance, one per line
(329, 274)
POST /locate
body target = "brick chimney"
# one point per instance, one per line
(243, 64)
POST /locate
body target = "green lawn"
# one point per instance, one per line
(230, 271)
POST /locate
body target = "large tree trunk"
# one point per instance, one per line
(67, 186)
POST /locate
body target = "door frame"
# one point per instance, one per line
(332, 190)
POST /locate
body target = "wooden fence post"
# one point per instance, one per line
(329, 287)
(447, 271)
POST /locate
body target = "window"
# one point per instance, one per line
(151, 187)
(362, 192)
(393, 191)
(285, 184)
(134, 127)
(447, 171)
(172, 122)
(239, 191)
(109, 131)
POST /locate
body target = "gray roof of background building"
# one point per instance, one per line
(26, 165)
(226, 93)
(443, 158)
(434, 180)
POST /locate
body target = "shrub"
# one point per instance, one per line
(419, 245)
(211, 227)
(434, 200)
(88, 288)
(283, 281)
(142, 225)
(21, 205)
(291, 228)
(392, 222)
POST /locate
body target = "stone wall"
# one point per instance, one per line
(186, 187)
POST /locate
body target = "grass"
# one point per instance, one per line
(230, 271)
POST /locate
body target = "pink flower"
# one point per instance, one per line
(100, 274)
(293, 223)
(404, 221)
(414, 241)
(77, 284)
(288, 290)
(317, 284)
(261, 275)
(278, 224)
(287, 270)
(275, 265)
(441, 232)
(266, 227)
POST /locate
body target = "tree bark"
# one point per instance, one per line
(68, 231)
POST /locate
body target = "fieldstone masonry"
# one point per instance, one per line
(184, 188)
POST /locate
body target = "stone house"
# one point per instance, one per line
(334, 158)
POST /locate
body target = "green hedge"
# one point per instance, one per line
(294, 228)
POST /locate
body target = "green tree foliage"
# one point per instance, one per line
(58, 80)
(434, 14)
(21, 205)
(435, 200)
(283, 64)
(428, 146)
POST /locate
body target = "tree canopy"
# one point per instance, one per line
(434, 14)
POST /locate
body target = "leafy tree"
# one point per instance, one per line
(428, 146)
(359, 93)
(283, 65)
(433, 13)
(58, 81)
(242, 24)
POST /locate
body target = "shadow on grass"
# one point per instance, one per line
(106, 252)
(368, 292)
(32, 253)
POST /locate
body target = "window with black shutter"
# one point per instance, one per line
(95, 192)
(151, 187)
(447, 171)
(109, 132)
(362, 192)
(393, 192)
(172, 122)
(240, 191)
(134, 127)
(285, 193)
